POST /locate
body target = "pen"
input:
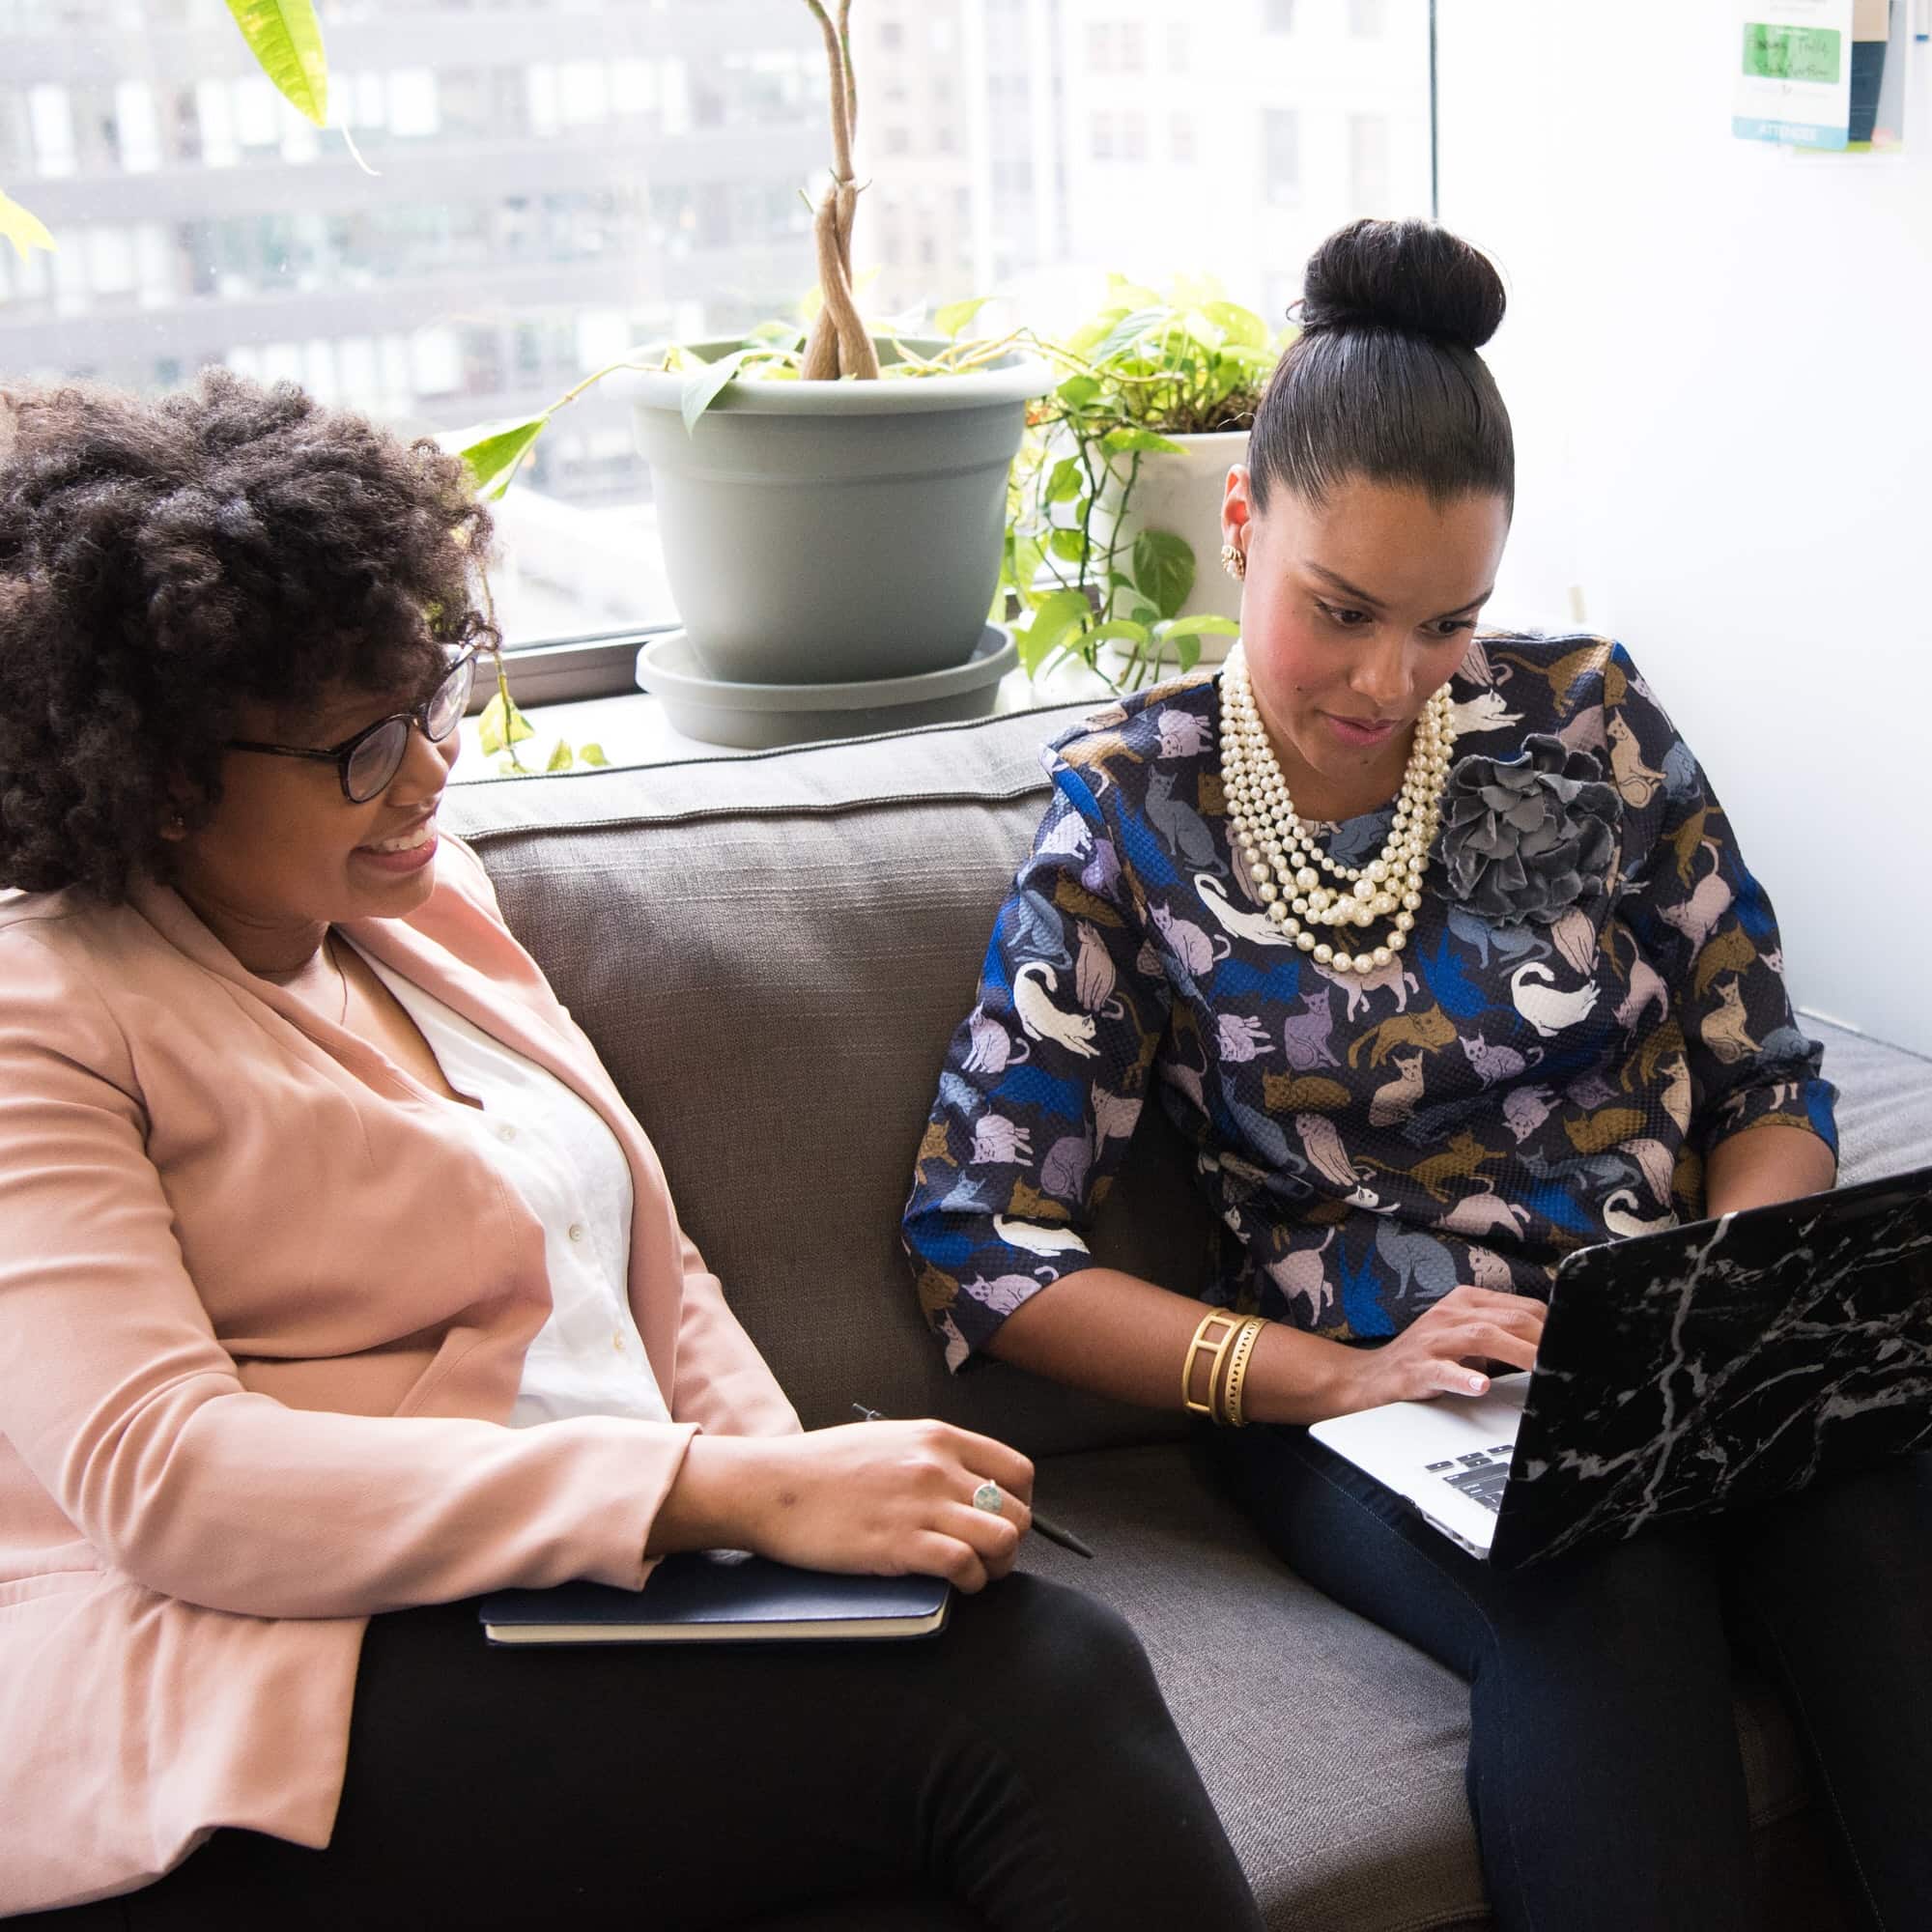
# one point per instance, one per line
(1052, 1531)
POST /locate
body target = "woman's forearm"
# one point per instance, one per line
(1763, 1165)
(1124, 1337)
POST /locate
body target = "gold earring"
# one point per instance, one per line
(1234, 561)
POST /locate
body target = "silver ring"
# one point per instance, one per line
(987, 1497)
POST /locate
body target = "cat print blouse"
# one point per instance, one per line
(1580, 1015)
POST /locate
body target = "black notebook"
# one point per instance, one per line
(692, 1599)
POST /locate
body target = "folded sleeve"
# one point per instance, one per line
(723, 1385)
(1042, 1085)
(1707, 928)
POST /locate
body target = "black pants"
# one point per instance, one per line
(1604, 1774)
(1022, 1762)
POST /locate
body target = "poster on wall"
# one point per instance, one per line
(1794, 76)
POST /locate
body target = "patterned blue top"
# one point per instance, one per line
(1505, 1090)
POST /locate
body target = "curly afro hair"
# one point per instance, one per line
(164, 561)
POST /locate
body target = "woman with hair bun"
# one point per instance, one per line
(339, 1285)
(1440, 951)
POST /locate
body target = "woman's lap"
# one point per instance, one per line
(1009, 1760)
(1605, 1767)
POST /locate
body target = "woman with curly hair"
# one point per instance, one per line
(310, 1194)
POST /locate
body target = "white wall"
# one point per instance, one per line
(1719, 361)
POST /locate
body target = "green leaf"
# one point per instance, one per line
(1117, 442)
(591, 754)
(1164, 569)
(562, 757)
(1077, 391)
(1186, 651)
(1242, 327)
(502, 726)
(1070, 546)
(1066, 481)
(1022, 561)
(286, 38)
(1123, 293)
(784, 335)
(702, 385)
(1127, 331)
(1122, 629)
(1200, 625)
(1055, 616)
(495, 451)
(23, 228)
(953, 316)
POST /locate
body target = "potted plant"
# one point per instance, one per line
(1115, 500)
(831, 499)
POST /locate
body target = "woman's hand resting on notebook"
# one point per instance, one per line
(1450, 1347)
(883, 1497)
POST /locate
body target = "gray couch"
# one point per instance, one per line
(771, 953)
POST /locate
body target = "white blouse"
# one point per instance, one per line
(554, 1149)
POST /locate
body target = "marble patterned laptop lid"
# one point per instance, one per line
(1713, 1366)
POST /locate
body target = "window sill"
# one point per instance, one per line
(633, 728)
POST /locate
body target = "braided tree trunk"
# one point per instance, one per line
(838, 344)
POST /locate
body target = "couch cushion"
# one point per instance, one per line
(1332, 1750)
(771, 954)
(1884, 1100)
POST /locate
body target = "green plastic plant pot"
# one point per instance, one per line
(828, 532)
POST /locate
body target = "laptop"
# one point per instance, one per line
(1694, 1370)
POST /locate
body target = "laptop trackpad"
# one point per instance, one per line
(1449, 1457)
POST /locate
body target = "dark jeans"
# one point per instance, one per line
(1022, 1762)
(1605, 1773)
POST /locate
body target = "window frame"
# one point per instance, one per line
(560, 671)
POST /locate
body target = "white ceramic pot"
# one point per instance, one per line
(1182, 494)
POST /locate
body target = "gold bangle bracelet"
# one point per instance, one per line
(1216, 1351)
(1238, 1358)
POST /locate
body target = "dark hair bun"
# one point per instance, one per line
(1409, 275)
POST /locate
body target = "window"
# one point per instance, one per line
(1368, 183)
(1280, 155)
(561, 181)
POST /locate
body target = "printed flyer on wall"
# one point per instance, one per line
(1793, 78)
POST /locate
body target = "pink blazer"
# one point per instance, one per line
(262, 1316)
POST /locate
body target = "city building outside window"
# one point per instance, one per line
(1280, 154)
(557, 184)
(1370, 184)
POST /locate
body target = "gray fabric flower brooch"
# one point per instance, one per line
(1529, 837)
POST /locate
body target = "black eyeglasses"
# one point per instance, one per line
(367, 762)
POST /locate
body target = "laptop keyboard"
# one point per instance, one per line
(1481, 1475)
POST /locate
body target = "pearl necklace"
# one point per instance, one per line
(1287, 865)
